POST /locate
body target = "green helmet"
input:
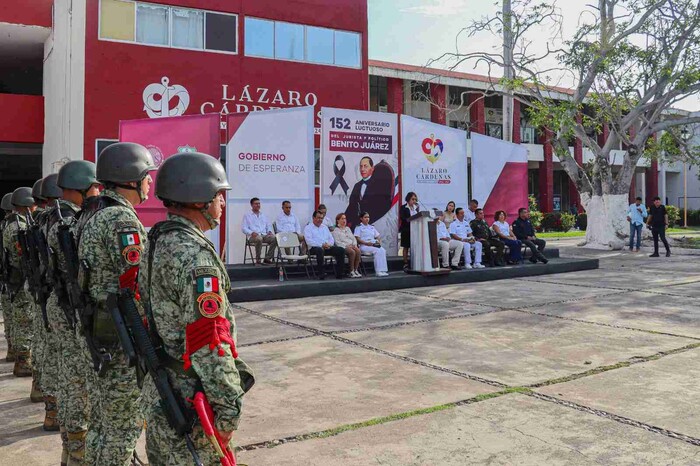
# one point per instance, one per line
(36, 190)
(49, 188)
(22, 197)
(190, 177)
(124, 162)
(6, 203)
(78, 175)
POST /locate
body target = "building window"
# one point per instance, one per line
(420, 91)
(296, 42)
(378, 94)
(494, 130)
(528, 135)
(165, 26)
(458, 96)
(289, 41)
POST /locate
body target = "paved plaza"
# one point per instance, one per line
(594, 367)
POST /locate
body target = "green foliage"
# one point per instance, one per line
(693, 217)
(535, 214)
(556, 221)
(567, 221)
(674, 214)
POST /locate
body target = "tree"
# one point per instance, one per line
(625, 68)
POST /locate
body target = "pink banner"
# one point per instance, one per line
(164, 137)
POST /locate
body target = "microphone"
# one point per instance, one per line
(425, 207)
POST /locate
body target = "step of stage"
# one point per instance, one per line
(270, 289)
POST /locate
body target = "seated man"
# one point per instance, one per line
(482, 233)
(447, 244)
(327, 220)
(525, 232)
(258, 230)
(461, 231)
(321, 243)
(287, 222)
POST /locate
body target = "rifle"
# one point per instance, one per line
(178, 416)
(122, 331)
(77, 299)
(35, 243)
(58, 281)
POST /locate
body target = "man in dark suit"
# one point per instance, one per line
(373, 193)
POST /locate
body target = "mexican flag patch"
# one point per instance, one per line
(207, 284)
(130, 239)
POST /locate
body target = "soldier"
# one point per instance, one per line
(78, 182)
(36, 395)
(185, 283)
(487, 238)
(110, 241)
(6, 206)
(20, 299)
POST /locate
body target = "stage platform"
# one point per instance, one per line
(260, 283)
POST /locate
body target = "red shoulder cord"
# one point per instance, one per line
(129, 279)
(205, 331)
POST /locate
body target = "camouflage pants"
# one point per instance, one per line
(115, 420)
(163, 446)
(7, 317)
(22, 321)
(39, 343)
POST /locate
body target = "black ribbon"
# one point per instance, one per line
(339, 174)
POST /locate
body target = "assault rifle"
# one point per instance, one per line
(78, 301)
(180, 419)
(58, 280)
(25, 266)
(36, 244)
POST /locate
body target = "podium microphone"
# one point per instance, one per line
(425, 207)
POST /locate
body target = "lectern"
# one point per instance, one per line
(424, 249)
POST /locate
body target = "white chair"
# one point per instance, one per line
(289, 252)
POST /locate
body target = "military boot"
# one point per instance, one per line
(23, 366)
(51, 417)
(10, 353)
(76, 448)
(36, 395)
(64, 441)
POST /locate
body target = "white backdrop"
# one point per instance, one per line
(270, 155)
(434, 162)
(347, 137)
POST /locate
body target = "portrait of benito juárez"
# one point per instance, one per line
(373, 193)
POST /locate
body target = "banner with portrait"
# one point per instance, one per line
(434, 162)
(269, 155)
(499, 175)
(359, 168)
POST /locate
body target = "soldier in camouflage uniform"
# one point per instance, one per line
(6, 206)
(110, 241)
(185, 283)
(78, 182)
(38, 331)
(20, 299)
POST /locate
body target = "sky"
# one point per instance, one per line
(418, 31)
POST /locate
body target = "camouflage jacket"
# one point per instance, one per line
(186, 286)
(480, 229)
(10, 241)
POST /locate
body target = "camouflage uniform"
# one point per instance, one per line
(111, 241)
(185, 259)
(67, 353)
(5, 300)
(22, 304)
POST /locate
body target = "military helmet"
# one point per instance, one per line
(6, 203)
(124, 162)
(22, 197)
(49, 188)
(190, 177)
(36, 190)
(77, 174)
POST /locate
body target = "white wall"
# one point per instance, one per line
(64, 86)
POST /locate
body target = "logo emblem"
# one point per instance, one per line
(132, 254)
(186, 148)
(432, 148)
(163, 100)
(156, 153)
(209, 304)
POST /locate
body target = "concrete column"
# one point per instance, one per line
(662, 182)
(394, 95)
(438, 105)
(546, 174)
(516, 122)
(477, 114)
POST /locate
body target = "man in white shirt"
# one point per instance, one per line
(258, 230)
(327, 220)
(287, 222)
(470, 214)
(461, 231)
(447, 244)
(321, 243)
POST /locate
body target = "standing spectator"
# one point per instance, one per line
(342, 234)
(287, 222)
(505, 234)
(461, 231)
(258, 230)
(470, 214)
(449, 215)
(525, 232)
(658, 220)
(321, 244)
(447, 244)
(488, 239)
(369, 241)
(326, 218)
(409, 209)
(636, 213)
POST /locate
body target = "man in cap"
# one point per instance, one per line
(6, 206)
(110, 241)
(78, 182)
(185, 284)
(20, 299)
